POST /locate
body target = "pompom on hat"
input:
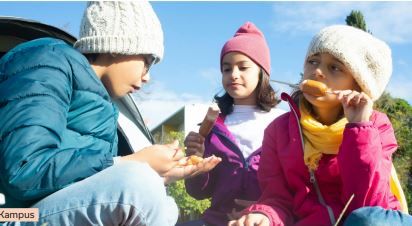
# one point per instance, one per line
(249, 40)
(121, 27)
(366, 57)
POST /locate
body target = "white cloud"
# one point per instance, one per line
(308, 17)
(389, 21)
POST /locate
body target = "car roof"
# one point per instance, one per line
(15, 30)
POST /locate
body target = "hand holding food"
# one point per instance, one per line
(191, 160)
(184, 172)
(313, 88)
(209, 120)
(161, 157)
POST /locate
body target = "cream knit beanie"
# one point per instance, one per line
(121, 27)
(366, 57)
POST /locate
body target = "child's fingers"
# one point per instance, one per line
(348, 98)
(364, 98)
(239, 222)
(193, 145)
(177, 154)
(191, 151)
(341, 93)
(211, 161)
(183, 161)
(193, 137)
(207, 164)
(357, 99)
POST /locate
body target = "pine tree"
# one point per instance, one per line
(355, 19)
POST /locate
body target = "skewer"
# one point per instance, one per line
(286, 83)
(344, 209)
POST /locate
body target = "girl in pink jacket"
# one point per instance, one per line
(331, 150)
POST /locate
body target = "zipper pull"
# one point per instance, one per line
(312, 177)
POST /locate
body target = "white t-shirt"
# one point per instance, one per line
(247, 123)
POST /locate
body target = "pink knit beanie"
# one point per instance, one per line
(250, 41)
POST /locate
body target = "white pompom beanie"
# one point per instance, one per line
(121, 27)
(366, 57)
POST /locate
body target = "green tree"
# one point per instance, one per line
(355, 19)
(189, 207)
(399, 113)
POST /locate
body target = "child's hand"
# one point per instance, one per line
(357, 106)
(195, 144)
(256, 219)
(161, 158)
(187, 171)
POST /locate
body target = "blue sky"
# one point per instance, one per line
(195, 32)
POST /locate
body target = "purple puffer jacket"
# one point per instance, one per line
(234, 178)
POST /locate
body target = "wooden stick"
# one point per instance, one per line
(344, 209)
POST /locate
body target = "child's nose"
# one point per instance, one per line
(146, 77)
(318, 73)
(235, 73)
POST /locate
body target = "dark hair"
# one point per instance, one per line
(91, 57)
(265, 96)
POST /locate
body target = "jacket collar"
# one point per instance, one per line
(222, 128)
(293, 106)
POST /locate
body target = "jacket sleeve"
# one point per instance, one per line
(198, 187)
(34, 105)
(365, 159)
(202, 186)
(276, 200)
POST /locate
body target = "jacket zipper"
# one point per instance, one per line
(312, 175)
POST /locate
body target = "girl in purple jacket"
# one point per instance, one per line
(330, 156)
(247, 107)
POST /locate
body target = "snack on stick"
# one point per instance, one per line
(313, 87)
(191, 160)
(209, 120)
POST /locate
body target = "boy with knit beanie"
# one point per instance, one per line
(247, 107)
(58, 139)
(329, 160)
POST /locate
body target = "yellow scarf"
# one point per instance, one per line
(320, 139)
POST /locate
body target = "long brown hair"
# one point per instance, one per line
(265, 96)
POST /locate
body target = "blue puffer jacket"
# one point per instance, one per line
(57, 122)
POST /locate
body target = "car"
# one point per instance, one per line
(15, 30)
